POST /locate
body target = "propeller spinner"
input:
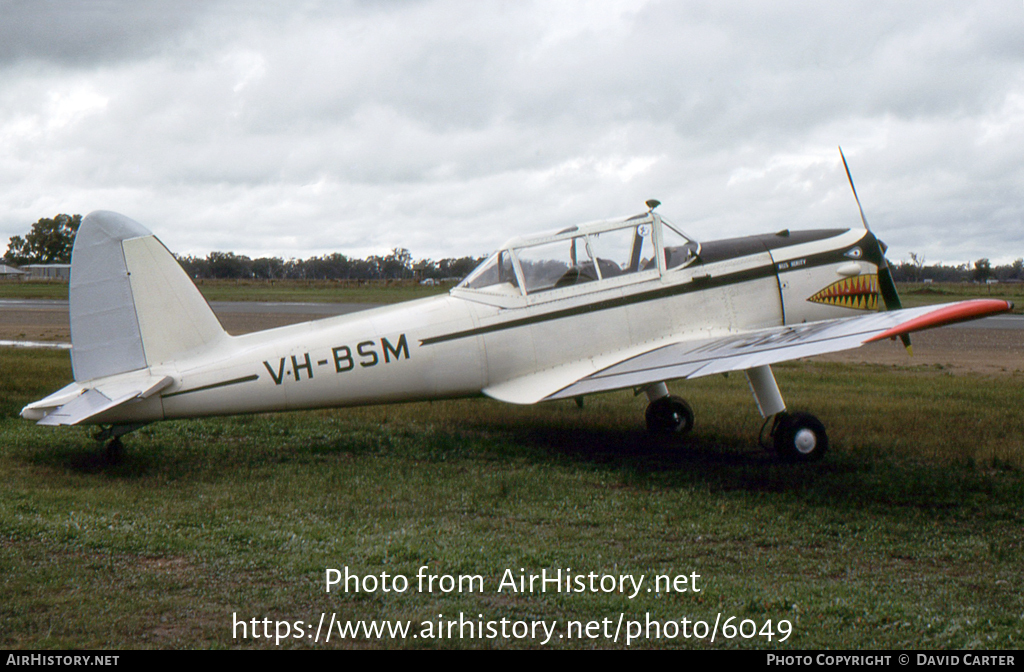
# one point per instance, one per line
(886, 285)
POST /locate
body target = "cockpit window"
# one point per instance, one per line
(558, 264)
(627, 250)
(679, 249)
(495, 275)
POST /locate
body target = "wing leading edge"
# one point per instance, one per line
(693, 358)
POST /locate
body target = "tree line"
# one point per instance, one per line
(982, 270)
(51, 239)
(398, 265)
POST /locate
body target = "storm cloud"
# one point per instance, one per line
(303, 128)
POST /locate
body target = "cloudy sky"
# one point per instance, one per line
(302, 128)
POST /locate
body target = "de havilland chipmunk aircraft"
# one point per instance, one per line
(623, 303)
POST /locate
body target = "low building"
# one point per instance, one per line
(11, 273)
(60, 272)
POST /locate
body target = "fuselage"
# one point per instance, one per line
(460, 344)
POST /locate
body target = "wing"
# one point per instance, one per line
(691, 358)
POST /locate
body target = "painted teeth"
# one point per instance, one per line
(859, 293)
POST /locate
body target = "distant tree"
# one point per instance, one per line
(268, 268)
(334, 266)
(196, 267)
(917, 262)
(1017, 269)
(982, 270)
(425, 268)
(229, 265)
(458, 268)
(396, 265)
(49, 242)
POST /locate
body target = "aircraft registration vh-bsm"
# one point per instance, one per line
(622, 303)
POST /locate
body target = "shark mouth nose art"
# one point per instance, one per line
(860, 293)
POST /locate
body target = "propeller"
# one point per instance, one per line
(886, 285)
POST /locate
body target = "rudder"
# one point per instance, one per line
(131, 304)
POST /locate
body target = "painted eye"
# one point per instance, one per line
(644, 230)
(854, 253)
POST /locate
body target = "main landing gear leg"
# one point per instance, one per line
(795, 436)
(667, 415)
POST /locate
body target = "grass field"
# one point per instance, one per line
(325, 291)
(908, 534)
(917, 294)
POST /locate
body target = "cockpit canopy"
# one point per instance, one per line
(641, 246)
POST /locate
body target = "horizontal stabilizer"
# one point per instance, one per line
(77, 403)
(85, 406)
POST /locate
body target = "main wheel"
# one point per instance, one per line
(800, 437)
(669, 416)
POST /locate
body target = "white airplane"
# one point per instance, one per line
(623, 303)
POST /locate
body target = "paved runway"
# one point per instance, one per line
(219, 307)
(46, 320)
(996, 322)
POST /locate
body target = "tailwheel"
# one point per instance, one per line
(115, 450)
(669, 416)
(799, 437)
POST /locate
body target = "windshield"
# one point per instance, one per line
(495, 274)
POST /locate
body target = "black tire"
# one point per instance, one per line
(669, 416)
(114, 451)
(800, 437)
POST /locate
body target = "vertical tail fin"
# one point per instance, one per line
(131, 304)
